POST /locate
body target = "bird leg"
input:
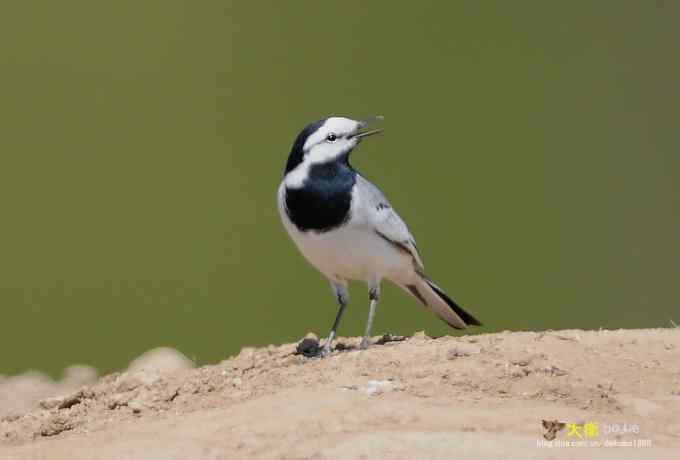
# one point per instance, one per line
(342, 296)
(374, 296)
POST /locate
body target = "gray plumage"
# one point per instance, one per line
(346, 228)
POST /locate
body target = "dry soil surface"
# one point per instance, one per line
(482, 396)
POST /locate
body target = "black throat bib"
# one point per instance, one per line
(324, 200)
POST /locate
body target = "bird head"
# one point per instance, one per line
(327, 140)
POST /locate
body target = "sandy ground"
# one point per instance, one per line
(453, 397)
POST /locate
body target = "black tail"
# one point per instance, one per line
(467, 318)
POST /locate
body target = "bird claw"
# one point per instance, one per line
(365, 343)
(324, 351)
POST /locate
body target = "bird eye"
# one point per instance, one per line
(331, 137)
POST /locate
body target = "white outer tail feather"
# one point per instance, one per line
(427, 293)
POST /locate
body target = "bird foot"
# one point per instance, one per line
(365, 343)
(324, 351)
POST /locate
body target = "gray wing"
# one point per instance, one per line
(378, 213)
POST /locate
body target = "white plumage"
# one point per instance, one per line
(370, 242)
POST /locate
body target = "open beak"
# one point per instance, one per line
(365, 133)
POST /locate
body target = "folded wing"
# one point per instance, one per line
(386, 222)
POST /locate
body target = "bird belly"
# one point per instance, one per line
(352, 253)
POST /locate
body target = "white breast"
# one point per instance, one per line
(352, 251)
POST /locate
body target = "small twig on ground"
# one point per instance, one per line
(387, 338)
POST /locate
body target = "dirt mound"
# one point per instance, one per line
(477, 395)
(20, 393)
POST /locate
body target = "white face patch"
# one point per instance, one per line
(318, 149)
(335, 125)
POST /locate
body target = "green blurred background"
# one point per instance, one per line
(533, 148)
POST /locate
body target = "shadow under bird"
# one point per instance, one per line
(346, 228)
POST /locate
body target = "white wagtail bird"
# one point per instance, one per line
(345, 227)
